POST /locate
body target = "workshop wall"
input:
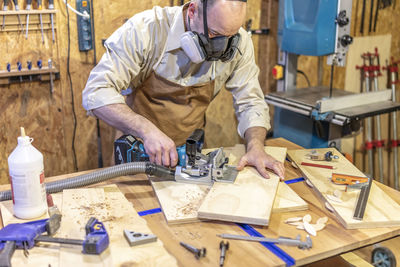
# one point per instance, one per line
(49, 118)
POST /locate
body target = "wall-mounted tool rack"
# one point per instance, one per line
(12, 23)
(25, 75)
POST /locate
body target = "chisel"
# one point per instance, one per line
(19, 18)
(28, 8)
(5, 8)
(51, 7)
(40, 18)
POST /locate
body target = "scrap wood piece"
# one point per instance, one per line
(375, 215)
(110, 207)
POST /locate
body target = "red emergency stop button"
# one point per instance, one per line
(277, 72)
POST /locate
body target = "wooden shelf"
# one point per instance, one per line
(13, 24)
(26, 12)
(25, 75)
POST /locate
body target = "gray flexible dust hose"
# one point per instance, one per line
(101, 176)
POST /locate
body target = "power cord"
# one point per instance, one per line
(305, 76)
(71, 89)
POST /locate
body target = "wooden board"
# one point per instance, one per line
(180, 201)
(381, 210)
(111, 207)
(248, 200)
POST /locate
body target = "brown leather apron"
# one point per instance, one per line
(175, 109)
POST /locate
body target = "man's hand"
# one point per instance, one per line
(160, 148)
(257, 157)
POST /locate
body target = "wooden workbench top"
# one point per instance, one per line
(332, 240)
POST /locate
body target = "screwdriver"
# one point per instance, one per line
(40, 18)
(19, 18)
(5, 8)
(51, 7)
(28, 8)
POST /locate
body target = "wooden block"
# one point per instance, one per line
(381, 210)
(287, 200)
(249, 200)
(111, 207)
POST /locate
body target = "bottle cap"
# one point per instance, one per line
(24, 139)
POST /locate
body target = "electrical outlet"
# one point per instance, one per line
(84, 26)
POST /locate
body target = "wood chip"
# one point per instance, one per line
(294, 219)
(329, 207)
(294, 165)
(300, 227)
(295, 223)
(308, 182)
(337, 193)
(322, 220)
(318, 227)
(309, 229)
(334, 199)
(307, 218)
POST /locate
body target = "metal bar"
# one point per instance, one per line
(362, 201)
(49, 239)
(368, 138)
(393, 79)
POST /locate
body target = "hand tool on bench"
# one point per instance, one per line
(26, 235)
(194, 167)
(350, 180)
(328, 156)
(362, 201)
(281, 240)
(51, 7)
(317, 165)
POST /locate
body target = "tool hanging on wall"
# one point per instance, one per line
(5, 8)
(363, 16)
(50, 63)
(379, 143)
(28, 8)
(39, 2)
(371, 13)
(18, 16)
(365, 72)
(51, 7)
(395, 142)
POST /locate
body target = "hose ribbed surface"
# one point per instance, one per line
(89, 178)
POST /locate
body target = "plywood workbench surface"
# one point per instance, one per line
(331, 241)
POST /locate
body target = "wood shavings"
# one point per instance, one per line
(294, 219)
(309, 229)
(337, 193)
(329, 207)
(322, 220)
(308, 182)
(307, 218)
(304, 223)
(334, 199)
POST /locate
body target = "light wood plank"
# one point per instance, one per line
(248, 200)
(381, 210)
(111, 207)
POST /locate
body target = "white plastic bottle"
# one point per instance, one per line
(27, 179)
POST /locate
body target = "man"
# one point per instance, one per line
(176, 59)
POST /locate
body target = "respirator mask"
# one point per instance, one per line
(199, 47)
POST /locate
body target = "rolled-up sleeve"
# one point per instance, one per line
(125, 52)
(248, 99)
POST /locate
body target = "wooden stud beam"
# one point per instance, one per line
(26, 12)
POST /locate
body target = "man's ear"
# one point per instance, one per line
(192, 9)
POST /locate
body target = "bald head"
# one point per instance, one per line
(224, 17)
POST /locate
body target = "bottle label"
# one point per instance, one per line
(28, 188)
